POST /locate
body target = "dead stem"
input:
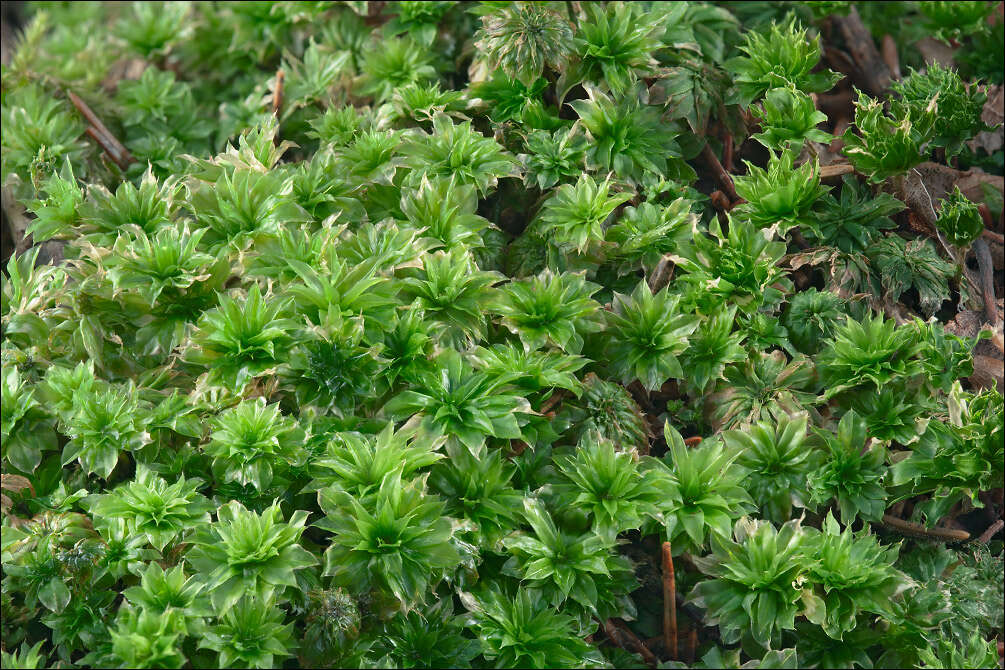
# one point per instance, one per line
(987, 283)
(100, 133)
(277, 94)
(918, 530)
(991, 531)
(993, 236)
(875, 74)
(728, 151)
(553, 400)
(622, 636)
(836, 170)
(721, 175)
(669, 604)
(888, 50)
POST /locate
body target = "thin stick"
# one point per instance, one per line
(108, 147)
(988, 222)
(692, 644)
(720, 172)
(986, 265)
(720, 201)
(993, 236)
(115, 149)
(669, 604)
(888, 50)
(661, 274)
(916, 530)
(991, 531)
(998, 341)
(277, 94)
(840, 126)
(623, 637)
(874, 72)
(800, 241)
(836, 170)
(552, 400)
(727, 152)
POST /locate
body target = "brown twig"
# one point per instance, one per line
(888, 49)
(641, 397)
(989, 223)
(692, 645)
(552, 400)
(985, 212)
(986, 265)
(622, 636)
(17, 220)
(918, 530)
(277, 94)
(874, 72)
(669, 604)
(720, 201)
(993, 236)
(998, 341)
(727, 153)
(836, 170)
(840, 105)
(800, 241)
(840, 126)
(107, 146)
(840, 61)
(721, 175)
(100, 133)
(991, 531)
(661, 274)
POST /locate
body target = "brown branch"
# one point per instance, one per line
(839, 61)
(836, 170)
(840, 126)
(720, 201)
(837, 105)
(108, 146)
(918, 530)
(669, 604)
(552, 400)
(991, 531)
(17, 220)
(692, 644)
(986, 265)
(800, 241)
(989, 222)
(874, 72)
(277, 93)
(622, 636)
(727, 152)
(998, 341)
(888, 49)
(100, 133)
(993, 236)
(661, 274)
(720, 172)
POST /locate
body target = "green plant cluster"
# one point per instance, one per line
(388, 359)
